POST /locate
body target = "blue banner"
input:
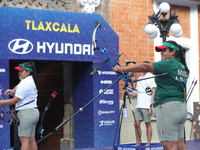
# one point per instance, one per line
(153, 146)
(106, 108)
(32, 34)
(4, 116)
(52, 35)
(99, 118)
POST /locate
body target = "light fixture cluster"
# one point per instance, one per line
(164, 24)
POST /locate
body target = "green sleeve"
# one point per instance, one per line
(162, 66)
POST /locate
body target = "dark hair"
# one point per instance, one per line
(179, 54)
(31, 65)
(145, 61)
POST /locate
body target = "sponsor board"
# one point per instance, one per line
(49, 37)
(153, 146)
(24, 46)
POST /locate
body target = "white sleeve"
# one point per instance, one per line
(23, 90)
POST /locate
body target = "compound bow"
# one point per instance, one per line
(108, 59)
(7, 114)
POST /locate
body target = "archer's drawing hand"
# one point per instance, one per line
(10, 92)
(118, 68)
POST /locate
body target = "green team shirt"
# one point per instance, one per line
(169, 87)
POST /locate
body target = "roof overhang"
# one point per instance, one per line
(181, 2)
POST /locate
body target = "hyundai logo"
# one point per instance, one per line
(20, 46)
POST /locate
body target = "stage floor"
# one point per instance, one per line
(191, 145)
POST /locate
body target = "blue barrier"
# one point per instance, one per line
(152, 146)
